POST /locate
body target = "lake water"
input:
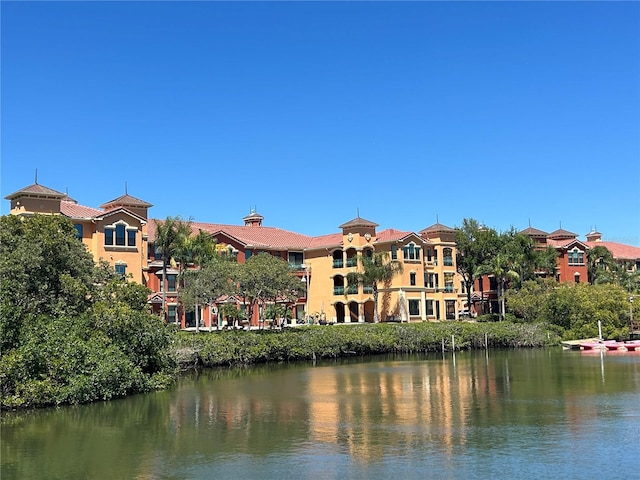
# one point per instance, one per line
(469, 415)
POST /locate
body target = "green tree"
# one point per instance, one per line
(374, 270)
(266, 278)
(529, 301)
(170, 236)
(599, 262)
(475, 245)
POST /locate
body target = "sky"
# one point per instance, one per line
(515, 114)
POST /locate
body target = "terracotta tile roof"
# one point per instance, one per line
(259, 237)
(358, 222)
(565, 243)
(391, 234)
(35, 190)
(618, 250)
(330, 240)
(126, 201)
(73, 210)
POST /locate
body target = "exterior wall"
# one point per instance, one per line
(26, 204)
(569, 273)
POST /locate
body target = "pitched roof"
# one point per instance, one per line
(618, 250)
(560, 233)
(73, 210)
(126, 201)
(35, 190)
(391, 234)
(437, 228)
(565, 242)
(534, 232)
(258, 237)
(358, 222)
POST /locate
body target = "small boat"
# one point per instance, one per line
(598, 345)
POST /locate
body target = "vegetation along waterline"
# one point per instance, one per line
(234, 347)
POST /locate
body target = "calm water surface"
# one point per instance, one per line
(496, 414)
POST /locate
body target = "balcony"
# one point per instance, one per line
(338, 290)
(448, 261)
(352, 289)
(367, 289)
(338, 263)
(352, 262)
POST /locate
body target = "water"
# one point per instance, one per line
(496, 414)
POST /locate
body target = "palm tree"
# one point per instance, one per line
(504, 269)
(170, 235)
(599, 260)
(197, 251)
(375, 269)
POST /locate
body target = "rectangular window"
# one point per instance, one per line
(120, 235)
(171, 283)
(121, 269)
(450, 305)
(576, 257)
(437, 309)
(131, 238)
(428, 254)
(394, 252)
(352, 289)
(108, 236)
(414, 307)
(295, 259)
(157, 254)
(171, 314)
(247, 255)
(412, 278)
(411, 252)
(430, 308)
(78, 228)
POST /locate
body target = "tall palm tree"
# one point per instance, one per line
(375, 269)
(170, 235)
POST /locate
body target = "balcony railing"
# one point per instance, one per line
(352, 262)
(448, 261)
(338, 263)
(367, 289)
(352, 289)
(338, 290)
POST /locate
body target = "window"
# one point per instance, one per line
(428, 254)
(430, 308)
(352, 288)
(171, 314)
(78, 228)
(450, 306)
(447, 257)
(295, 259)
(394, 252)
(414, 307)
(576, 257)
(108, 236)
(576, 277)
(120, 235)
(411, 252)
(247, 255)
(412, 278)
(121, 269)
(171, 283)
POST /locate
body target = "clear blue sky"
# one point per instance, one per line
(512, 113)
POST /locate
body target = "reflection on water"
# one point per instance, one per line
(472, 414)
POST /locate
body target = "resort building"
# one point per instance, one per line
(429, 288)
